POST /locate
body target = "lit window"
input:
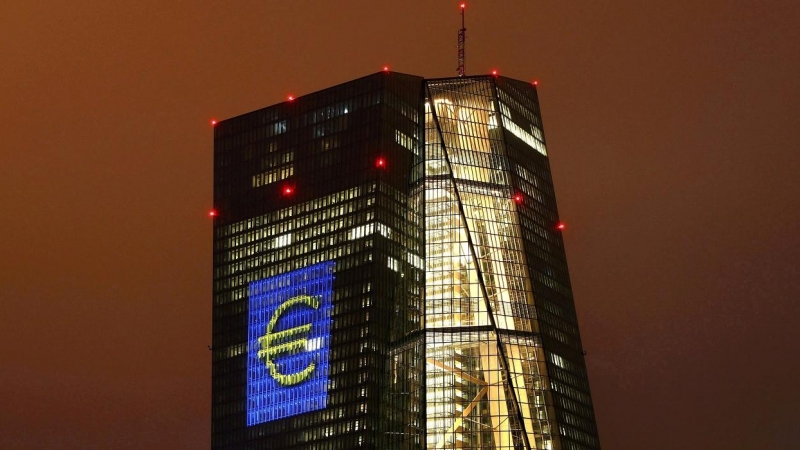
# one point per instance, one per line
(415, 260)
(405, 140)
(393, 264)
(274, 175)
(361, 231)
(384, 230)
(282, 240)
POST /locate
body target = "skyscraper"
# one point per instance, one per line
(389, 273)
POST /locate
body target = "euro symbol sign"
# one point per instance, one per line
(277, 343)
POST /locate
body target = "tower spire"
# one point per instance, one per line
(462, 37)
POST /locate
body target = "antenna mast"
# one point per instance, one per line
(462, 37)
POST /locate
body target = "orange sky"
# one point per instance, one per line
(672, 130)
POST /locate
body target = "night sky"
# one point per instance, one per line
(672, 129)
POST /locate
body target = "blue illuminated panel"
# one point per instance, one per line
(289, 337)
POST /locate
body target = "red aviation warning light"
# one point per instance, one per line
(463, 5)
(561, 226)
(494, 72)
(212, 213)
(290, 97)
(213, 122)
(288, 190)
(380, 162)
(518, 198)
(535, 82)
(385, 68)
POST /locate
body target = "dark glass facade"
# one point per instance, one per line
(388, 273)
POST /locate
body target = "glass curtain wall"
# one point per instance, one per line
(299, 184)
(486, 377)
(547, 263)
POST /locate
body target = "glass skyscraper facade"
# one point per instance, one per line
(389, 273)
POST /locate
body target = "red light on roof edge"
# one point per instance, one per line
(290, 98)
(212, 213)
(494, 72)
(561, 225)
(385, 68)
(535, 82)
(213, 122)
